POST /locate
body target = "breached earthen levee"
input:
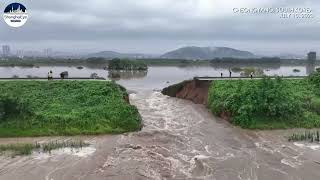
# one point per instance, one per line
(193, 90)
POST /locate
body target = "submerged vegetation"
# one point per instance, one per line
(47, 108)
(246, 72)
(18, 149)
(267, 103)
(236, 69)
(118, 64)
(118, 74)
(311, 136)
(48, 147)
(26, 149)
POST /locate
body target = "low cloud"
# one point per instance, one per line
(146, 22)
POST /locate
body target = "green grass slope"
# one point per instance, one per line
(267, 103)
(50, 108)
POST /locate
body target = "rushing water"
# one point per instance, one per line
(182, 140)
(179, 140)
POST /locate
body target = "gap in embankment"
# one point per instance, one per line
(193, 90)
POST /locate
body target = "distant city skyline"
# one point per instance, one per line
(7, 50)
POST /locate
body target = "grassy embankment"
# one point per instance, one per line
(268, 103)
(42, 108)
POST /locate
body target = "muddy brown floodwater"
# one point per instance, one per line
(180, 140)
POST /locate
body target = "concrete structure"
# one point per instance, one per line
(311, 62)
(5, 50)
(312, 56)
(310, 67)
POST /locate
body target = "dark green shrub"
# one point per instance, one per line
(12, 107)
(314, 78)
(315, 105)
(249, 102)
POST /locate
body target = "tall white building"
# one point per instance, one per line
(6, 50)
(47, 52)
(20, 54)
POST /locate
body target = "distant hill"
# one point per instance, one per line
(194, 52)
(113, 54)
(191, 52)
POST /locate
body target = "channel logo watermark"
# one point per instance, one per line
(15, 15)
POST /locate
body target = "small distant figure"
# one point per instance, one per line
(251, 75)
(94, 76)
(230, 73)
(221, 75)
(50, 77)
(64, 75)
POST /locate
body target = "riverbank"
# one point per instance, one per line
(255, 104)
(54, 108)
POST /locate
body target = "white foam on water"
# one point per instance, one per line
(310, 146)
(132, 95)
(299, 145)
(207, 148)
(201, 157)
(264, 147)
(314, 147)
(289, 163)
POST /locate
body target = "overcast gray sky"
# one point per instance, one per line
(156, 26)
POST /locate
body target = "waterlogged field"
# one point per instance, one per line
(267, 103)
(50, 108)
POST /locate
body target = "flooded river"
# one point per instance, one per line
(157, 77)
(180, 140)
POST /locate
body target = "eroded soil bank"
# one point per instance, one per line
(194, 90)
